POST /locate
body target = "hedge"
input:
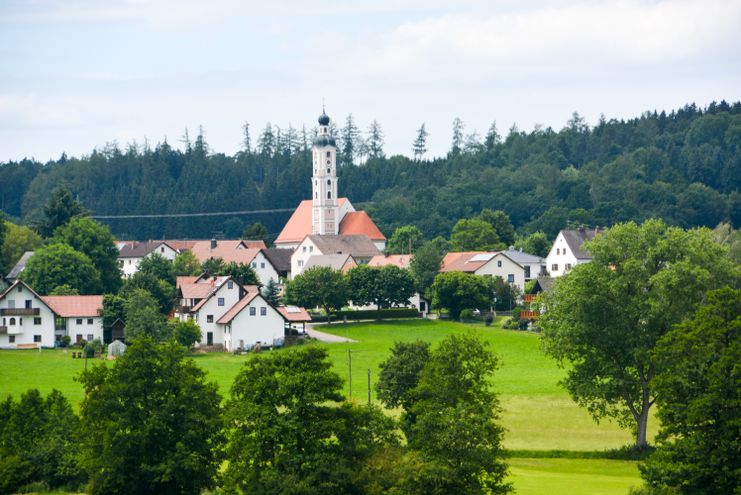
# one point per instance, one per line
(369, 314)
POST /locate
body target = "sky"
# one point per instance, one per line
(75, 75)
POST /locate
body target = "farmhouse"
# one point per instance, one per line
(239, 251)
(30, 320)
(568, 251)
(359, 247)
(131, 253)
(513, 266)
(326, 213)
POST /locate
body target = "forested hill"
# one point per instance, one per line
(683, 166)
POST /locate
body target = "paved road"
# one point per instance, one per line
(326, 337)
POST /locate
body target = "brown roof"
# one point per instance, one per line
(359, 223)
(259, 244)
(400, 260)
(67, 306)
(196, 291)
(461, 262)
(279, 258)
(182, 280)
(228, 250)
(293, 313)
(335, 261)
(576, 238)
(359, 246)
(180, 245)
(241, 304)
(299, 225)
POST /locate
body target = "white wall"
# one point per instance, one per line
(84, 328)
(129, 266)
(507, 268)
(246, 330)
(24, 328)
(211, 307)
(560, 259)
(264, 269)
(301, 255)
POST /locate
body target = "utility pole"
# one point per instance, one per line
(349, 368)
(369, 388)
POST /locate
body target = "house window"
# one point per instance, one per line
(567, 267)
(11, 339)
(253, 312)
(90, 337)
(304, 249)
(554, 267)
(263, 311)
(499, 263)
(37, 338)
(262, 265)
(254, 264)
(162, 250)
(20, 288)
(527, 271)
(37, 321)
(230, 285)
(129, 262)
(311, 249)
(300, 262)
(79, 321)
(209, 318)
(28, 304)
(558, 251)
(89, 321)
(329, 182)
(12, 321)
(221, 301)
(511, 278)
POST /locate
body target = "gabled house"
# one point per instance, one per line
(543, 284)
(341, 262)
(281, 261)
(568, 250)
(238, 251)
(30, 320)
(514, 267)
(252, 320)
(131, 253)
(360, 247)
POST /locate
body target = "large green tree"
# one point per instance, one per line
(60, 209)
(536, 243)
(456, 291)
(425, 265)
(475, 234)
(59, 264)
(256, 232)
(405, 240)
(186, 264)
(385, 286)
(699, 401)
(143, 317)
(321, 287)
(151, 423)
(161, 290)
(18, 240)
(291, 432)
(96, 241)
(605, 317)
(158, 266)
(501, 223)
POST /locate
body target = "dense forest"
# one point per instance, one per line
(683, 166)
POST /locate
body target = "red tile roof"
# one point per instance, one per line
(359, 223)
(69, 306)
(228, 250)
(180, 281)
(299, 225)
(400, 260)
(294, 313)
(460, 262)
(237, 308)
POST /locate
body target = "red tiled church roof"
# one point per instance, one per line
(359, 223)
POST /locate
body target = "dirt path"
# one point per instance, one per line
(326, 337)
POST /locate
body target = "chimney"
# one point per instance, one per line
(213, 243)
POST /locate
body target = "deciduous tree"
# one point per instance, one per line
(151, 423)
(319, 286)
(405, 240)
(457, 291)
(186, 264)
(474, 234)
(384, 287)
(18, 240)
(59, 264)
(605, 317)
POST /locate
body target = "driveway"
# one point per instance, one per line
(326, 337)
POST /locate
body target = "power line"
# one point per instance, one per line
(184, 215)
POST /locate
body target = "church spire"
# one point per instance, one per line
(325, 219)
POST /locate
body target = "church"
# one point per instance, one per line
(325, 214)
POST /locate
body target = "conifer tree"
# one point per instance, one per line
(419, 148)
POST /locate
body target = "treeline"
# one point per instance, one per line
(683, 166)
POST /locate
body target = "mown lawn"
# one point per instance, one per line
(537, 413)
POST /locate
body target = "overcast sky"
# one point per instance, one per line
(75, 75)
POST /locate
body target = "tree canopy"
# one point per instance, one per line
(606, 317)
(456, 291)
(59, 264)
(321, 287)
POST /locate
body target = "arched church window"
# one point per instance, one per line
(329, 154)
(329, 182)
(329, 194)
(328, 170)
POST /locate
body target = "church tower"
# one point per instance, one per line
(325, 213)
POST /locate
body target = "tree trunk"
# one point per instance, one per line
(329, 316)
(378, 311)
(642, 421)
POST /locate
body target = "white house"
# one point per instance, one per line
(360, 247)
(130, 254)
(250, 321)
(513, 266)
(567, 251)
(30, 320)
(238, 251)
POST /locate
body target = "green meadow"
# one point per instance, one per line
(536, 412)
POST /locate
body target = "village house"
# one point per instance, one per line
(360, 247)
(131, 253)
(567, 250)
(250, 253)
(513, 266)
(30, 320)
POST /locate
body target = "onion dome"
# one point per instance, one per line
(323, 119)
(322, 140)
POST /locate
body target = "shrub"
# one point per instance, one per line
(466, 314)
(14, 473)
(66, 340)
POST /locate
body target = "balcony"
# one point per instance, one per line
(19, 312)
(3, 330)
(529, 298)
(529, 315)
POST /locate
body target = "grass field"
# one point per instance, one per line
(537, 413)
